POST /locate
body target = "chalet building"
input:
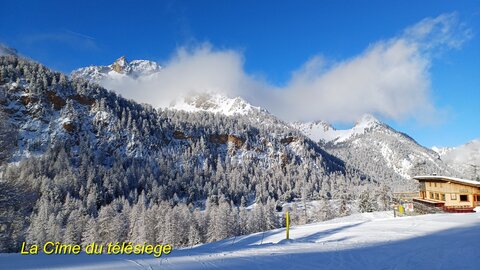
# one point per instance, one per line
(451, 194)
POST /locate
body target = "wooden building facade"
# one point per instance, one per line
(450, 193)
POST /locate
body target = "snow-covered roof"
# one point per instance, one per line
(448, 179)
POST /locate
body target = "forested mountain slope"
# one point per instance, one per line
(94, 165)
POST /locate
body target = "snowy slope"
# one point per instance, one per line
(364, 241)
(463, 158)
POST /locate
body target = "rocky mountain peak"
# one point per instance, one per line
(120, 64)
(214, 103)
(367, 121)
(324, 131)
(326, 126)
(120, 68)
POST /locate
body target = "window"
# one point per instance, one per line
(436, 196)
(453, 197)
(442, 197)
(464, 198)
(435, 184)
(429, 184)
(431, 195)
(440, 184)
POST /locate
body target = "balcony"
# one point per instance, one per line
(428, 202)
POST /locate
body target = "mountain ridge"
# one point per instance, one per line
(391, 156)
(119, 68)
(378, 149)
(464, 158)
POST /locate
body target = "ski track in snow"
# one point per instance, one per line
(362, 241)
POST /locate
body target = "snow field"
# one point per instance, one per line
(361, 241)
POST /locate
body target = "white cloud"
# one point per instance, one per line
(72, 40)
(389, 79)
(200, 69)
(445, 30)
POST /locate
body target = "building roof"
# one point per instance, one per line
(448, 179)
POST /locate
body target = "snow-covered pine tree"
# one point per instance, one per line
(90, 232)
(366, 202)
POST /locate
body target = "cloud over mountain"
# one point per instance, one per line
(390, 78)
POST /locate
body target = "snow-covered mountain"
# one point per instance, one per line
(321, 131)
(84, 153)
(90, 156)
(63, 110)
(215, 103)
(464, 158)
(210, 102)
(118, 69)
(442, 150)
(377, 149)
(370, 145)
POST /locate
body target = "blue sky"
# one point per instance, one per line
(272, 39)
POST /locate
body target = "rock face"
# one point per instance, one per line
(120, 64)
(227, 138)
(69, 127)
(177, 134)
(237, 141)
(288, 140)
(56, 101)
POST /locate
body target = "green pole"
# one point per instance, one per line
(287, 218)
